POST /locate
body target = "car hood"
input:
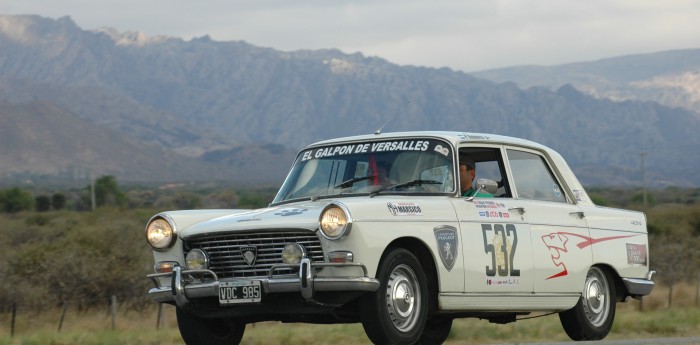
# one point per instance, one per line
(283, 217)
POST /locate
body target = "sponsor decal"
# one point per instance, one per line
(509, 281)
(250, 254)
(636, 254)
(558, 243)
(447, 243)
(491, 209)
(490, 204)
(580, 195)
(442, 150)
(477, 137)
(494, 214)
(382, 146)
(291, 212)
(404, 208)
(556, 190)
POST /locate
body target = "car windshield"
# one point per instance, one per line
(395, 166)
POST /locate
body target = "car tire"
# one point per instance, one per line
(593, 315)
(436, 331)
(200, 331)
(397, 312)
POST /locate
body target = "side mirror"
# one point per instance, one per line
(486, 185)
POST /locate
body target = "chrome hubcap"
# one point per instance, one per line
(403, 297)
(596, 297)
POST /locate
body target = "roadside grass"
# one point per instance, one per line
(139, 328)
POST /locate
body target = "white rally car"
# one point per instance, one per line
(375, 229)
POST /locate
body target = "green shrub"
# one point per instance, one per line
(58, 201)
(15, 200)
(42, 203)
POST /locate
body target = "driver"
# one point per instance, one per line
(467, 173)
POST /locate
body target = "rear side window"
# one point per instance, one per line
(532, 177)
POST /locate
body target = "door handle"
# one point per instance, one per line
(580, 214)
(520, 210)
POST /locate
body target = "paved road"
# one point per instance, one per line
(659, 341)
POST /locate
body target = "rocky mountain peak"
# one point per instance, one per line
(29, 29)
(131, 38)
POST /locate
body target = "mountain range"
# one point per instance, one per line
(670, 78)
(76, 102)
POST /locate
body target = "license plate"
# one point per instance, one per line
(239, 291)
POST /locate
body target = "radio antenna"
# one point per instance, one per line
(379, 130)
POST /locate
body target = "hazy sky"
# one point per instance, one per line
(467, 35)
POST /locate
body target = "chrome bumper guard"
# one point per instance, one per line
(307, 283)
(637, 287)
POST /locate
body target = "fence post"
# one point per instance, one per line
(64, 306)
(114, 311)
(697, 291)
(159, 322)
(12, 324)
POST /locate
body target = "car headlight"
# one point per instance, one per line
(160, 233)
(335, 222)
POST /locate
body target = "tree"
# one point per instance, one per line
(187, 200)
(599, 200)
(15, 200)
(107, 192)
(639, 199)
(58, 201)
(42, 203)
(227, 199)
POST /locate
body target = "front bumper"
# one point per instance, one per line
(307, 283)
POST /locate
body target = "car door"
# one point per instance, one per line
(496, 240)
(561, 253)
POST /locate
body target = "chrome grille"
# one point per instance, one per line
(226, 259)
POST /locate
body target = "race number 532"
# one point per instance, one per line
(501, 241)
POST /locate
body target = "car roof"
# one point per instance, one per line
(455, 138)
(458, 138)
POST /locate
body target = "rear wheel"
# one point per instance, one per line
(593, 315)
(199, 331)
(397, 312)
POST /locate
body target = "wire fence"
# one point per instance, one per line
(112, 306)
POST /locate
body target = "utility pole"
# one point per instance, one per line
(92, 193)
(644, 179)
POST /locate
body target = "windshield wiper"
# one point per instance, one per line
(350, 182)
(417, 182)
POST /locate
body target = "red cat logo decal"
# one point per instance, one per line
(557, 243)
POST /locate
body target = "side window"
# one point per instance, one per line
(489, 165)
(532, 177)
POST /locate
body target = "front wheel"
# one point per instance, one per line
(397, 312)
(592, 317)
(436, 331)
(199, 331)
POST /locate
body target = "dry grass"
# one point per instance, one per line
(95, 327)
(684, 295)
